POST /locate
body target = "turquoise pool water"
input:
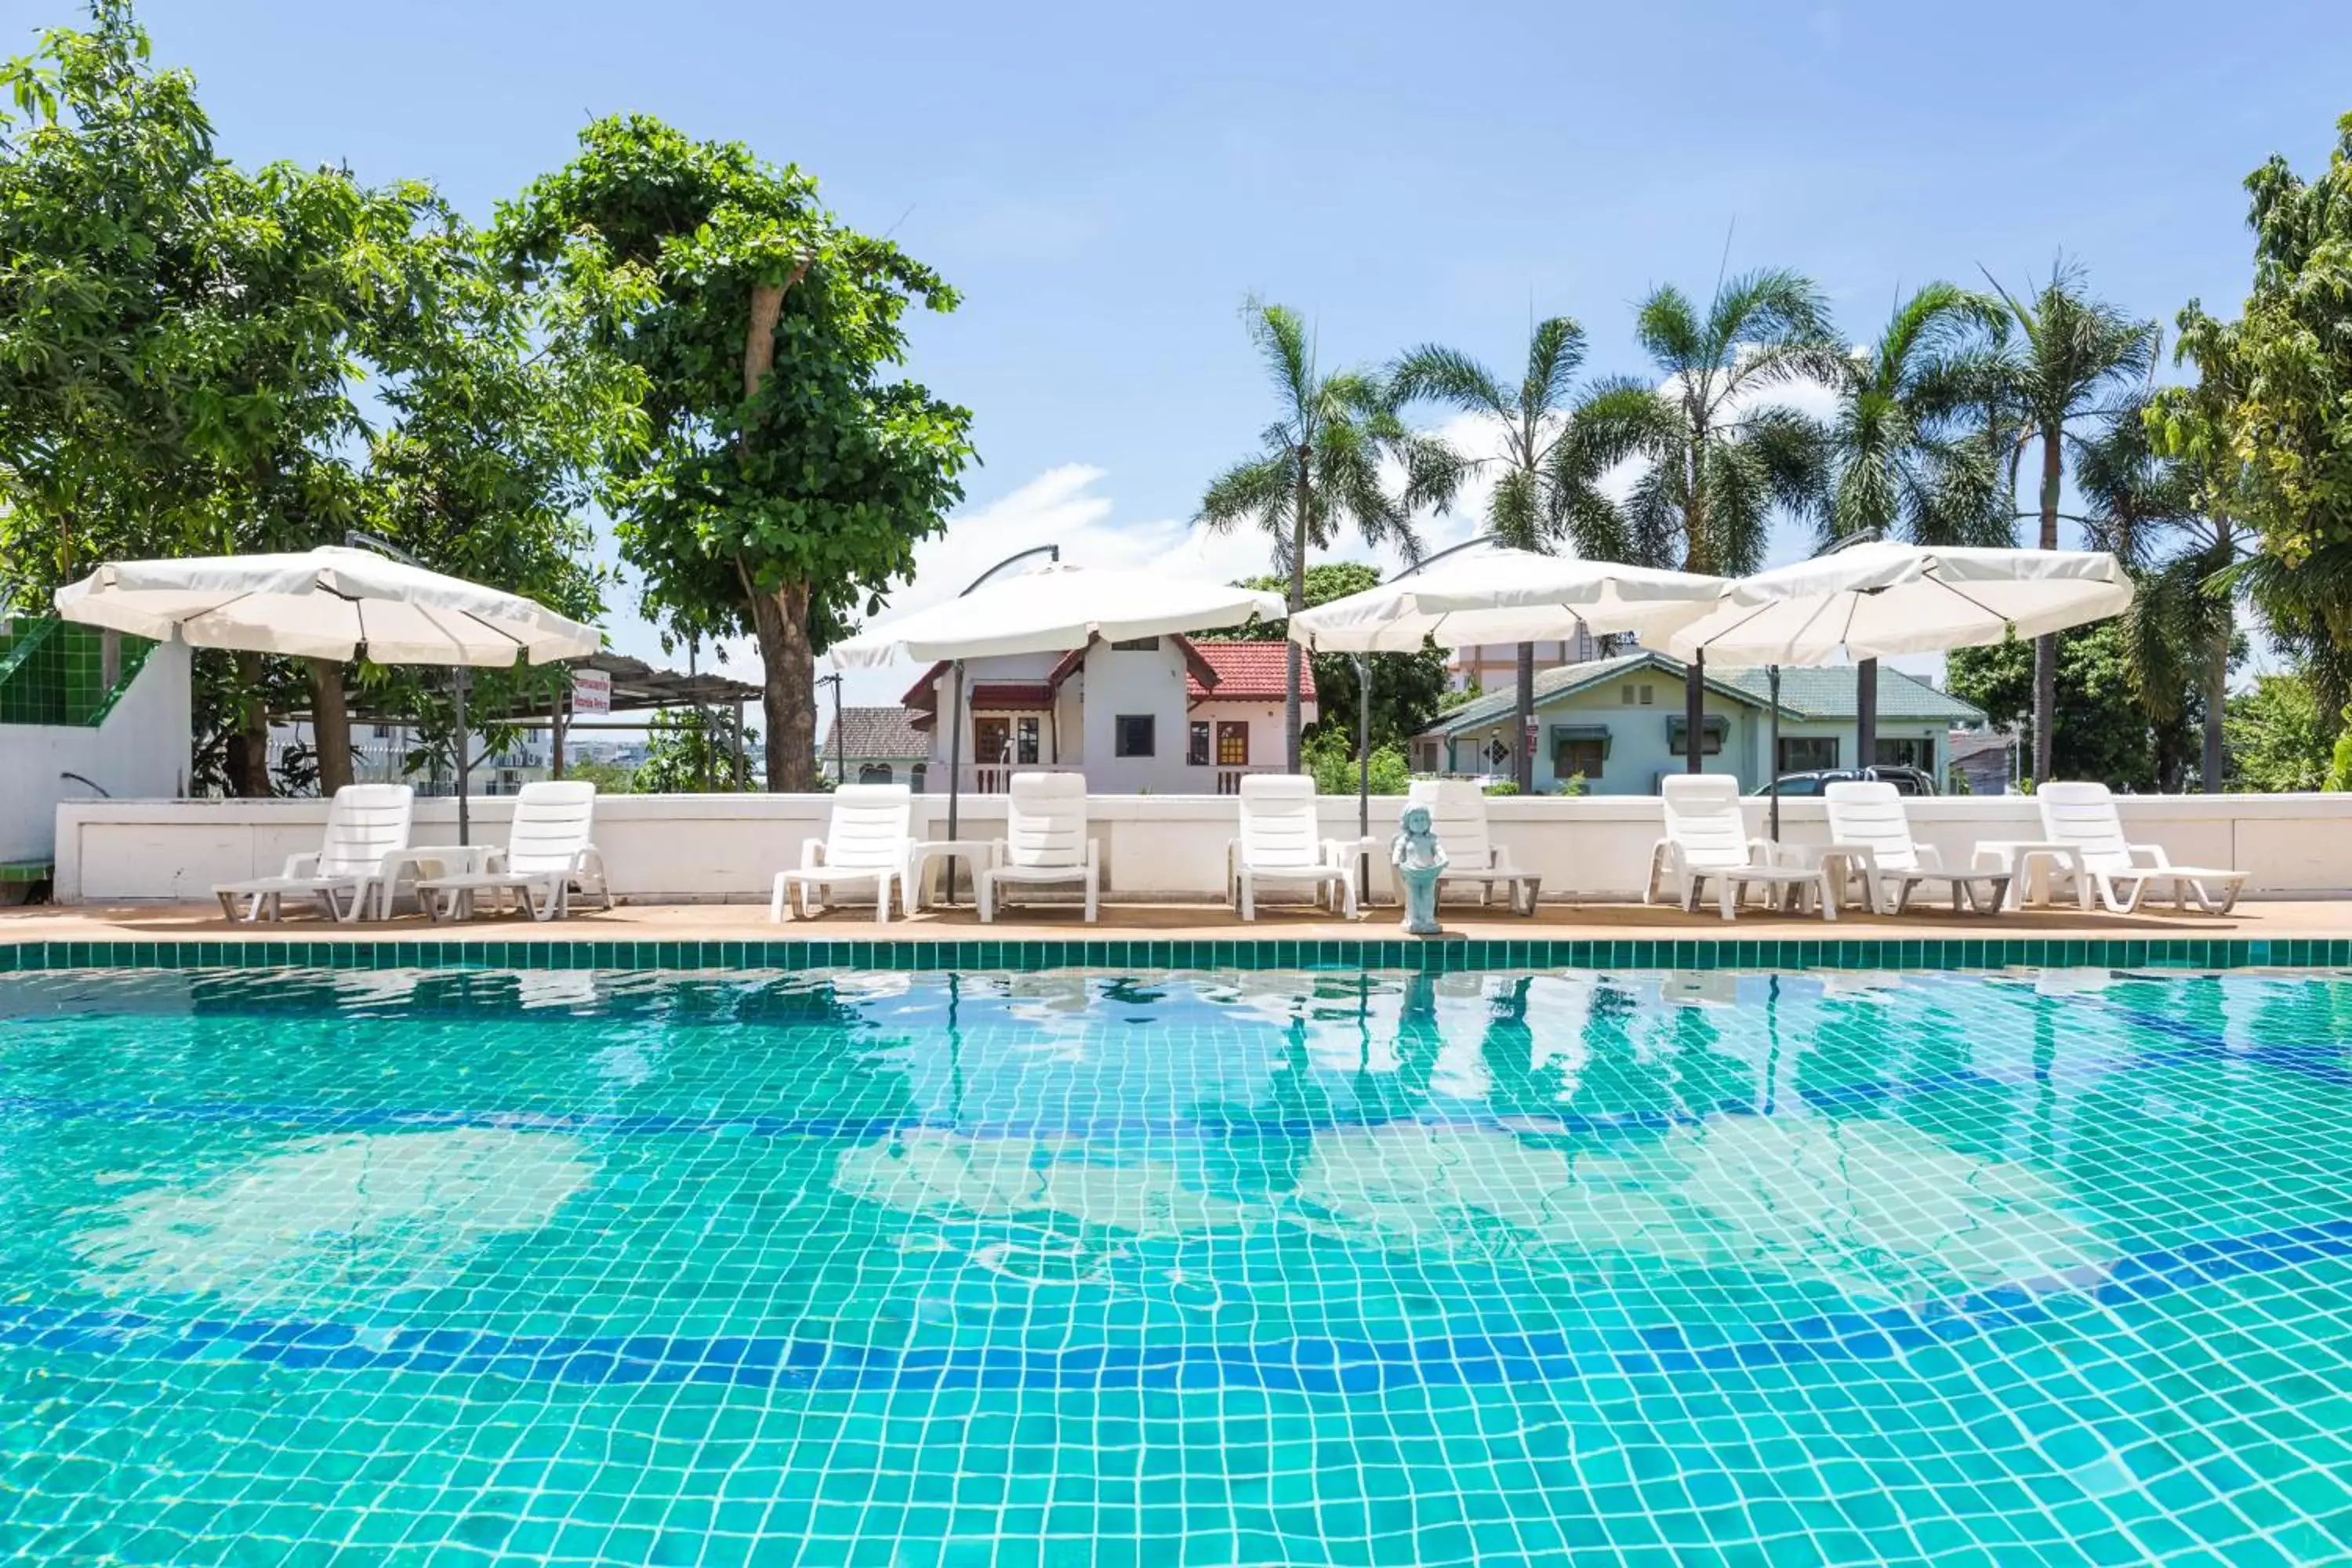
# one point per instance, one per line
(570, 1267)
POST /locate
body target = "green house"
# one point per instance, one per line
(1619, 723)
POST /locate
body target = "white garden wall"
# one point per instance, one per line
(667, 848)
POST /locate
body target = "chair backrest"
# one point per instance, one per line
(1045, 820)
(868, 830)
(364, 824)
(2084, 815)
(1279, 821)
(552, 823)
(1457, 812)
(1871, 813)
(1704, 819)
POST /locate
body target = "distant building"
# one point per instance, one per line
(1986, 758)
(1619, 724)
(1494, 667)
(876, 745)
(1167, 715)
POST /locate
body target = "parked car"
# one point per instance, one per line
(1907, 781)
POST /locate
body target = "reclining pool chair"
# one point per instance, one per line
(549, 851)
(366, 823)
(1280, 841)
(1044, 841)
(1706, 841)
(865, 842)
(1457, 812)
(2082, 817)
(1869, 828)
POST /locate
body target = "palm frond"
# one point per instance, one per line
(1433, 373)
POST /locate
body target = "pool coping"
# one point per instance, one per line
(1438, 955)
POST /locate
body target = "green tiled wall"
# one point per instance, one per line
(1444, 955)
(54, 672)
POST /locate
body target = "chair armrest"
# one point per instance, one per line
(1763, 852)
(588, 855)
(1930, 857)
(811, 854)
(492, 860)
(301, 864)
(1498, 858)
(2154, 853)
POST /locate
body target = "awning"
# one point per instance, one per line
(1563, 733)
(1716, 724)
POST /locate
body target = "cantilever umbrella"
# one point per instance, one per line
(1053, 610)
(331, 602)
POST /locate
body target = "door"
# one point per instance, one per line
(1233, 743)
(991, 741)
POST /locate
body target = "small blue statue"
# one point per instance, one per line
(1418, 860)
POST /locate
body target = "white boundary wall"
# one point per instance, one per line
(683, 849)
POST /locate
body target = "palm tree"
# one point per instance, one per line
(1722, 451)
(2058, 372)
(1908, 450)
(1321, 469)
(1548, 489)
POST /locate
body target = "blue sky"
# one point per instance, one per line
(1107, 183)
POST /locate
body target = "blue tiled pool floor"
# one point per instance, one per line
(632, 1268)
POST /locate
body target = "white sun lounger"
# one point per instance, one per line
(366, 823)
(1457, 812)
(1870, 832)
(1044, 841)
(1280, 841)
(2082, 817)
(866, 842)
(1706, 841)
(549, 851)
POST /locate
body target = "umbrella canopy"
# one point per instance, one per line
(1504, 595)
(329, 602)
(1053, 610)
(1881, 598)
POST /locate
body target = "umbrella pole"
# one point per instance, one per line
(1364, 766)
(458, 691)
(1772, 763)
(955, 772)
(1865, 713)
(1694, 713)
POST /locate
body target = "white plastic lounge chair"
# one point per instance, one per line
(366, 823)
(1457, 812)
(1869, 830)
(1706, 839)
(2082, 817)
(548, 851)
(866, 841)
(1044, 841)
(1280, 842)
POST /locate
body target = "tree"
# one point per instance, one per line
(1408, 688)
(1549, 489)
(2280, 739)
(786, 480)
(1322, 471)
(2061, 358)
(1907, 457)
(2104, 731)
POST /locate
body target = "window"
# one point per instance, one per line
(1807, 754)
(1024, 741)
(915, 776)
(1625, 696)
(1570, 757)
(1138, 645)
(1131, 735)
(1233, 744)
(1196, 744)
(874, 773)
(1644, 695)
(1913, 752)
(1710, 739)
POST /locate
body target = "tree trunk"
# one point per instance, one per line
(788, 699)
(331, 725)
(248, 747)
(2045, 647)
(1526, 753)
(2217, 699)
(1696, 557)
(1293, 748)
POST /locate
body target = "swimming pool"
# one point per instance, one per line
(632, 1267)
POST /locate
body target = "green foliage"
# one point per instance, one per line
(1502, 788)
(1907, 447)
(689, 750)
(1448, 701)
(1573, 786)
(610, 778)
(786, 480)
(1408, 688)
(2279, 739)
(2103, 733)
(1331, 760)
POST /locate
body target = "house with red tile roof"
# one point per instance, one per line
(1165, 715)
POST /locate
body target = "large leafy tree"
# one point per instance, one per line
(2280, 738)
(1547, 477)
(787, 478)
(1322, 469)
(1407, 689)
(2063, 364)
(2105, 731)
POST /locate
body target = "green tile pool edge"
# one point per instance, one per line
(1352, 954)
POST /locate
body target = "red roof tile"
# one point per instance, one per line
(1248, 672)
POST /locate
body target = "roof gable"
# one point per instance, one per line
(1565, 681)
(1246, 671)
(1829, 693)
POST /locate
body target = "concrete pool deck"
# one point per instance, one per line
(2254, 921)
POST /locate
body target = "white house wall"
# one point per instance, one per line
(142, 749)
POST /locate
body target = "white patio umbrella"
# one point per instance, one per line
(1057, 607)
(334, 603)
(1489, 592)
(1876, 597)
